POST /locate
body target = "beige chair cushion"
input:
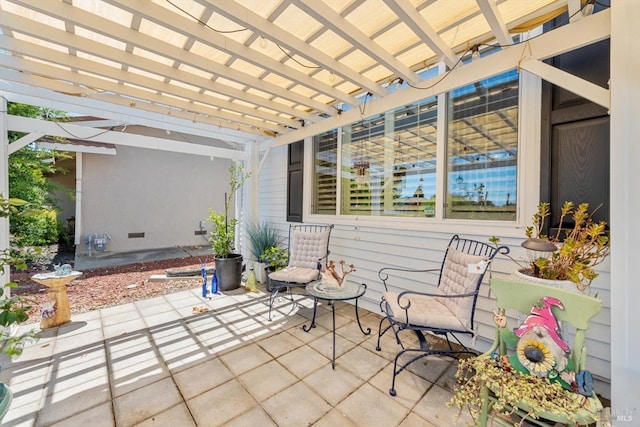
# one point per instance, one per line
(295, 274)
(306, 248)
(445, 313)
(457, 279)
(424, 311)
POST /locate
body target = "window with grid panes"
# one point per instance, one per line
(389, 163)
(482, 149)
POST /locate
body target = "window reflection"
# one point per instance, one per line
(482, 149)
(388, 161)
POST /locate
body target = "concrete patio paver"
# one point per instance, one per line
(295, 406)
(155, 362)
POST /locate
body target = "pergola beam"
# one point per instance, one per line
(587, 31)
(83, 44)
(77, 148)
(345, 29)
(28, 89)
(204, 35)
(129, 36)
(568, 81)
(493, 16)
(66, 130)
(24, 141)
(112, 108)
(141, 87)
(245, 17)
(408, 13)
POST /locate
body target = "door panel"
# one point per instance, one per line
(580, 166)
(575, 136)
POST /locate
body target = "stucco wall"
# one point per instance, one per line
(162, 194)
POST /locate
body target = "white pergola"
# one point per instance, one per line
(249, 70)
(251, 75)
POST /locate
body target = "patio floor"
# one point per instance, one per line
(154, 362)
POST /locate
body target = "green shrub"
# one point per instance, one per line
(35, 227)
(276, 257)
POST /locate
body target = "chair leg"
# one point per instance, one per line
(274, 294)
(396, 370)
(381, 332)
(483, 416)
(465, 349)
(272, 298)
(392, 390)
(425, 351)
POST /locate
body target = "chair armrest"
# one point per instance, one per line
(326, 258)
(385, 273)
(429, 294)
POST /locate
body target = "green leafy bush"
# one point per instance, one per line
(276, 257)
(13, 309)
(35, 223)
(35, 227)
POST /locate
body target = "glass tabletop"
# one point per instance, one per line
(329, 291)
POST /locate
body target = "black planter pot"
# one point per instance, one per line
(269, 270)
(229, 272)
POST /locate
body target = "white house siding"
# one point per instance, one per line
(162, 194)
(272, 195)
(370, 244)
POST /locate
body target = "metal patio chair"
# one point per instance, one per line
(308, 253)
(447, 311)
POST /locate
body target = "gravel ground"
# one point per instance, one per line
(105, 287)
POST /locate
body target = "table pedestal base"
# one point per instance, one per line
(332, 303)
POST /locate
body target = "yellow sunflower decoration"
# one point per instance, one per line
(535, 356)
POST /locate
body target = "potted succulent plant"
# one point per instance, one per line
(228, 264)
(13, 311)
(571, 253)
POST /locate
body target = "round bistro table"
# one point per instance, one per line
(327, 291)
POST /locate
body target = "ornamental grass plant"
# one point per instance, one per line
(262, 236)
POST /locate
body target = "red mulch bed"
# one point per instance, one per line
(108, 286)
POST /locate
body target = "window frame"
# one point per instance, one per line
(527, 180)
